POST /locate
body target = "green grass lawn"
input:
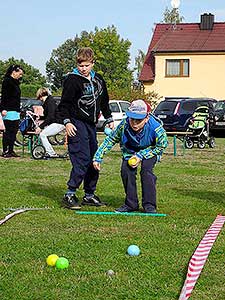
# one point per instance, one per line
(191, 191)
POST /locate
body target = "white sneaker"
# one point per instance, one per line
(54, 155)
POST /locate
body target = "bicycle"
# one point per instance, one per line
(38, 151)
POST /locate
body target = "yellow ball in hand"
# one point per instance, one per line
(51, 260)
(132, 161)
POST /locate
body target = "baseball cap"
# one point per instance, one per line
(138, 109)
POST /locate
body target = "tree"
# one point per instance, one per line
(112, 57)
(61, 62)
(32, 78)
(172, 16)
(139, 61)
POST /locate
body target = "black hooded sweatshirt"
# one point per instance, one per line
(10, 94)
(50, 110)
(83, 99)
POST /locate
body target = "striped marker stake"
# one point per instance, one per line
(200, 256)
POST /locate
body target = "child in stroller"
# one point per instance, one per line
(199, 126)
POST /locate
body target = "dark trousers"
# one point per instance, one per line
(9, 135)
(82, 148)
(148, 183)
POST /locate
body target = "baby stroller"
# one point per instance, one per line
(199, 127)
(27, 128)
(28, 123)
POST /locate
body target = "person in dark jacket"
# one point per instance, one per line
(51, 124)
(84, 95)
(10, 108)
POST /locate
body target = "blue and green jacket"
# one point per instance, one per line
(151, 141)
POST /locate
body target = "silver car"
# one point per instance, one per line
(118, 109)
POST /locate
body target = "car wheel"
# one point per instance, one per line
(201, 144)
(212, 142)
(38, 152)
(189, 144)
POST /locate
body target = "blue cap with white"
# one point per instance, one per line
(138, 109)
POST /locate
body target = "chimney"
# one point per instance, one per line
(207, 21)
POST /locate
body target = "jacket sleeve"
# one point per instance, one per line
(108, 143)
(68, 94)
(104, 106)
(158, 148)
(6, 89)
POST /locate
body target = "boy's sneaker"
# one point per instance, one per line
(125, 209)
(93, 201)
(150, 210)
(70, 201)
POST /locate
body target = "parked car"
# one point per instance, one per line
(28, 103)
(218, 127)
(118, 108)
(175, 113)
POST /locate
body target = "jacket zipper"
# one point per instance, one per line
(93, 93)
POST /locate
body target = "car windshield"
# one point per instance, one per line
(29, 103)
(124, 106)
(166, 106)
(114, 107)
(189, 106)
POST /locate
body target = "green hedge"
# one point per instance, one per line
(29, 90)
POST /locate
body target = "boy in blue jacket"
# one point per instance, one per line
(142, 140)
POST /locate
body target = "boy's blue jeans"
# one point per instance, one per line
(148, 184)
(82, 148)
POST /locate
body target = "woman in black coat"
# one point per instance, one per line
(10, 108)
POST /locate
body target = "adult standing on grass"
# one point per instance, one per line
(52, 124)
(143, 139)
(84, 95)
(10, 108)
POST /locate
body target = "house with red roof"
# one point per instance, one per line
(186, 60)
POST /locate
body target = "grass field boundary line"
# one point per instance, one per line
(16, 212)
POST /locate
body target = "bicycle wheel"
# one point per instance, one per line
(60, 138)
(52, 140)
(201, 144)
(188, 143)
(212, 142)
(38, 152)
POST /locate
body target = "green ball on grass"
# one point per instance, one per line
(62, 263)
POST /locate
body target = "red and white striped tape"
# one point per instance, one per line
(199, 257)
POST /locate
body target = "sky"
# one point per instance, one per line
(31, 29)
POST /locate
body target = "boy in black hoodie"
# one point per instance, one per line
(84, 95)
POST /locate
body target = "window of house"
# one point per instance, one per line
(177, 67)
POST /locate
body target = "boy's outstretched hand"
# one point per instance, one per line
(96, 165)
(71, 129)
